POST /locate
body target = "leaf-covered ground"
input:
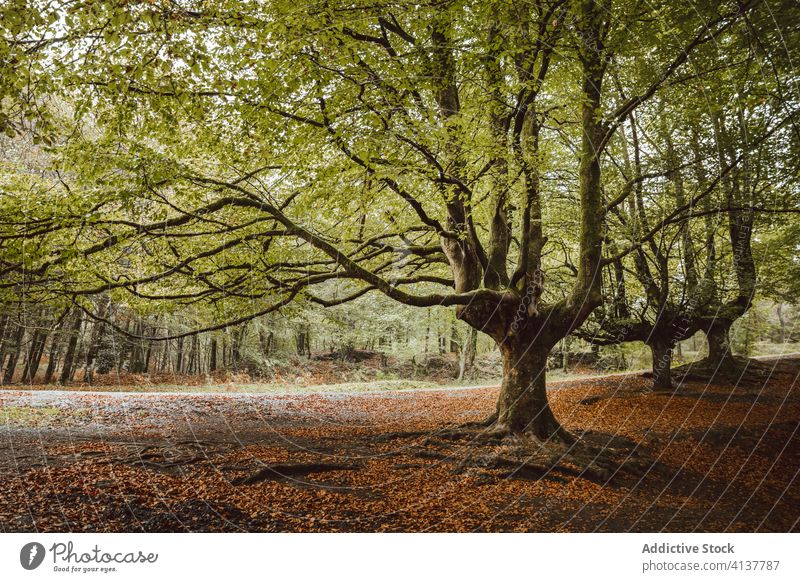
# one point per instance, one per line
(721, 458)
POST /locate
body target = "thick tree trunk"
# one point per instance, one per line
(720, 365)
(523, 406)
(661, 351)
(719, 345)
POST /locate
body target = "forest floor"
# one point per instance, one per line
(721, 458)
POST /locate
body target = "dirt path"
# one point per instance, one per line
(78, 414)
(720, 458)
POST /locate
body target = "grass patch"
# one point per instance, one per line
(28, 415)
(261, 388)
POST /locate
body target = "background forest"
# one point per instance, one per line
(370, 339)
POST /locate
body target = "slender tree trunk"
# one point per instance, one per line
(11, 366)
(191, 357)
(4, 324)
(179, 357)
(137, 364)
(195, 354)
(96, 337)
(782, 321)
(13, 357)
(53, 358)
(56, 340)
(34, 357)
(81, 347)
(427, 332)
(72, 348)
(148, 352)
(91, 352)
(164, 357)
(212, 365)
(238, 336)
(235, 350)
(122, 354)
(265, 342)
(303, 342)
(467, 359)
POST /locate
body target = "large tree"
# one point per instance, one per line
(248, 154)
(723, 150)
(651, 293)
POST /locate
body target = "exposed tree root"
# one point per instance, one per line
(390, 436)
(164, 456)
(282, 472)
(589, 400)
(735, 370)
(486, 422)
(524, 456)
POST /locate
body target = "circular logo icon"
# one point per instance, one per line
(31, 555)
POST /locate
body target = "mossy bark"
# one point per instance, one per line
(719, 345)
(661, 351)
(523, 406)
